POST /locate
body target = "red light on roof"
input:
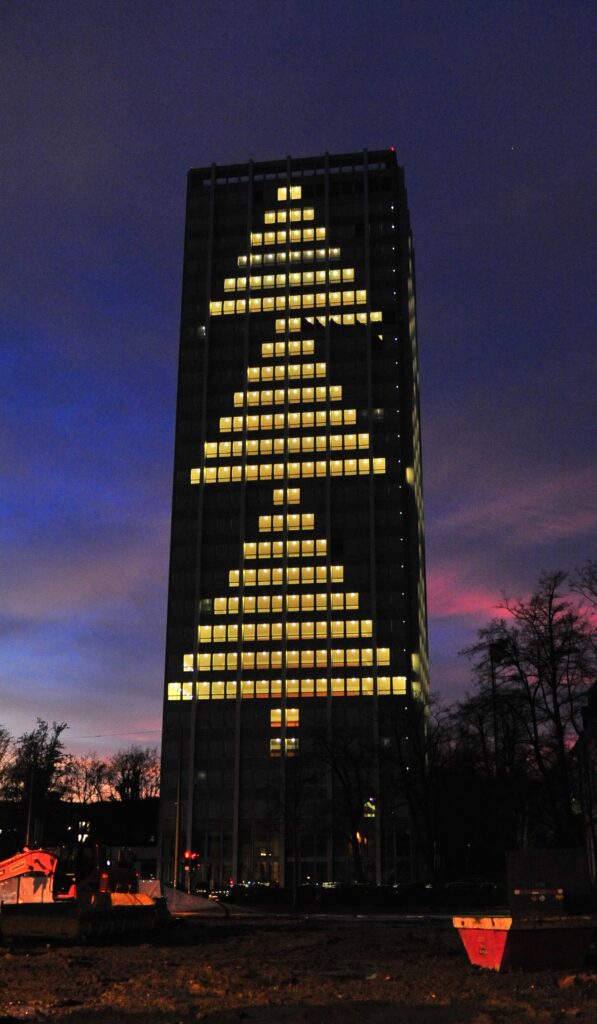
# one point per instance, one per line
(392, 149)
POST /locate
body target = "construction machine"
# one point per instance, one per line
(72, 892)
(69, 872)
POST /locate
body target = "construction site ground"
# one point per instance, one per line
(274, 969)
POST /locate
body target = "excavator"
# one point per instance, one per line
(72, 892)
(70, 872)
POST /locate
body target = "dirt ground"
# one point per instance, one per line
(283, 971)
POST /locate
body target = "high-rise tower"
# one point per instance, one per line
(296, 642)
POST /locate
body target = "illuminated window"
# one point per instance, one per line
(275, 747)
(383, 685)
(282, 194)
(322, 687)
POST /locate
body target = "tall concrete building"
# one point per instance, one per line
(296, 640)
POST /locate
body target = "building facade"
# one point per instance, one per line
(296, 656)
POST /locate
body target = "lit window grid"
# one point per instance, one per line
(282, 371)
(299, 300)
(276, 577)
(289, 396)
(336, 686)
(288, 470)
(276, 604)
(230, 661)
(257, 259)
(292, 420)
(293, 215)
(279, 349)
(264, 632)
(295, 236)
(289, 192)
(290, 549)
(290, 716)
(294, 279)
(282, 445)
(292, 521)
(343, 320)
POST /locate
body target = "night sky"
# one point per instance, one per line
(105, 105)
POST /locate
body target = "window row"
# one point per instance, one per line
(280, 445)
(292, 192)
(280, 372)
(280, 396)
(294, 420)
(282, 237)
(262, 631)
(222, 661)
(273, 688)
(292, 470)
(266, 604)
(307, 300)
(343, 320)
(290, 747)
(257, 259)
(293, 548)
(287, 496)
(291, 717)
(292, 575)
(294, 214)
(293, 521)
(269, 349)
(294, 279)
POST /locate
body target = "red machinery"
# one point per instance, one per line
(72, 872)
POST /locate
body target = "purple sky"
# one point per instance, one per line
(105, 105)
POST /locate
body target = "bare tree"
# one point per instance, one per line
(134, 773)
(416, 740)
(34, 774)
(585, 581)
(545, 666)
(352, 764)
(87, 778)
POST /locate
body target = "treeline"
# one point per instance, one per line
(513, 764)
(37, 766)
(48, 795)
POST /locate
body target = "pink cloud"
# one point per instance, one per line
(450, 593)
(527, 510)
(49, 583)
